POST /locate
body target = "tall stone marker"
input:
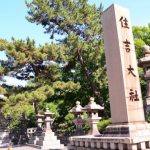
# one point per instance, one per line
(124, 86)
(126, 104)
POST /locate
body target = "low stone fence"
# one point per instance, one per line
(108, 143)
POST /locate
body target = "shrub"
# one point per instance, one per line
(103, 124)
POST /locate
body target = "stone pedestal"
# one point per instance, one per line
(46, 140)
(49, 141)
(132, 130)
(93, 126)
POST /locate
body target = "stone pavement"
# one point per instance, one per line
(19, 148)
(22, 147)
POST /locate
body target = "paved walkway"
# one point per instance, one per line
(19, 148)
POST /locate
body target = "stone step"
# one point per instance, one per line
(48, 133)
(48, 138)
(46, 143)
(54, 147)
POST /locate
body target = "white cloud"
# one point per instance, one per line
(3, 56)
(11, 81)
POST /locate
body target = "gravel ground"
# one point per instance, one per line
(19, 148)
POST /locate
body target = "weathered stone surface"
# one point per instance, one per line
(121, 66)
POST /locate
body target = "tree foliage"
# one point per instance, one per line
(141, 37)
(59, 73)
(70, 68)
(76, 26)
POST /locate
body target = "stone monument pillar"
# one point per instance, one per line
(123, 77)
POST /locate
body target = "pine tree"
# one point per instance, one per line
(59, 73)
(41, 68)
(76, 27)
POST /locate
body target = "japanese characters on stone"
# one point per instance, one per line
(124, 22)
(133, 94)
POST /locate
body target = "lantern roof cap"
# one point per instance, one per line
(92, 105)
(77, 109)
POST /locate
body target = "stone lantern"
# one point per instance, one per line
(23, 138)
(145, 63)
(39, 122)
(39, 129)
(48, 140)
(93, 118)
(48, 120)
(78, 120)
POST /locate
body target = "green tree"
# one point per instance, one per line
(40, 67)
(76, 27)
(3, 91)
(69, 69)
(72, 68)
(141, 37)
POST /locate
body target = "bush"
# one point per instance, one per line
(103, 124)
(148, 117)
(67, 127)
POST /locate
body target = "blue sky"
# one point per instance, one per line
(14, 24)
